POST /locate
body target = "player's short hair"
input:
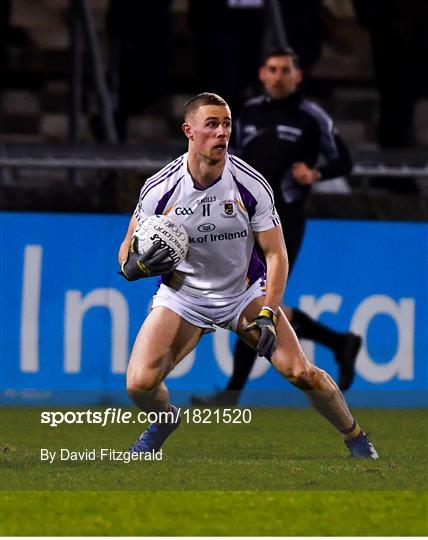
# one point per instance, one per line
(281, 51)
(205, 98)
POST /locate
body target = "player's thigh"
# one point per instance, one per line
(164, 339)
(288, 357)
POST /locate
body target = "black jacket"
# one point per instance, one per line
(273, 134)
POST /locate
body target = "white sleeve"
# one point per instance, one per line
(265, 216)
(154, 189)
(146, 205)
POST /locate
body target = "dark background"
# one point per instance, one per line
(364, 62)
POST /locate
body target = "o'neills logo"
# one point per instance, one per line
(211, 237)
(169, 225)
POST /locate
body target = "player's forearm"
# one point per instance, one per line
(276, 278)
(123, 251)
(124, 246)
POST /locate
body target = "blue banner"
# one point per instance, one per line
(68, 320)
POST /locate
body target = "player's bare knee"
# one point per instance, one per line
(306, 376)
(300, 378)
(141, 385)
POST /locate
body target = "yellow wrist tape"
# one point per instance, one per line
(269, 314)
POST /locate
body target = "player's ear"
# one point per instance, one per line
(187, 129)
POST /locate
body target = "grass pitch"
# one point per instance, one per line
(285, 473)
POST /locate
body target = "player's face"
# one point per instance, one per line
(280, 77)
(209, 130)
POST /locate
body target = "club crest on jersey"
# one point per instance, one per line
(228, 208)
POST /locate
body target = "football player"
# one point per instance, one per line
(225, 206)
